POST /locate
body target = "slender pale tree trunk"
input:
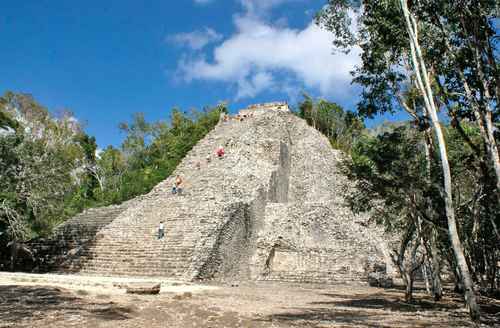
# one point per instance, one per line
(485, 123)
(425, 265)
(413, 267)
(493, 64)
(483, 115)
(437, 287)
(493, 148)
(399, 258)
(424, 86)
(482, 107)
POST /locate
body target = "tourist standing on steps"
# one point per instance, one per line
(161, 230)
(220, 152)
(176, 189)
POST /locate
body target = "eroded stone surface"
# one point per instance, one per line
(272, 209)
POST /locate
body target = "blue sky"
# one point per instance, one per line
(105, 60)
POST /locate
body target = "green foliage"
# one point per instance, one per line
(340, 126)
(396, 168)
(391, 168)
(151, 152)
(37, 163)
(393, 181)
(50, 170)
(6, 121)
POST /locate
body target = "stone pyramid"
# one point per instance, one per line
(272, 209)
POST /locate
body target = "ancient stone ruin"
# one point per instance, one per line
(273, 208)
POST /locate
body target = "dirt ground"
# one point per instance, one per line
(246, 305)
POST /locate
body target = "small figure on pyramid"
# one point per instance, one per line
(161, 230)
(220, 152)
(176, 188)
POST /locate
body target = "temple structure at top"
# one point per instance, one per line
(265, 107)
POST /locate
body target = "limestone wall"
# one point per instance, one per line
(272, 209)
(314, 236)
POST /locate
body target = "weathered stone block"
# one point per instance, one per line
(143, 289)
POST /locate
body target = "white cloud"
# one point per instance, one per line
(196, 40)
(262, 56)
(258, 7)
(253, 85)
(202, 2)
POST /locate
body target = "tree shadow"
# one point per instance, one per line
(399, 288)
(313, 316)
(381, 301)
(383, 310)
(21, 303)
(369, 310)
(490, 311)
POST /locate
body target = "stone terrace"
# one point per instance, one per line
(271, 209)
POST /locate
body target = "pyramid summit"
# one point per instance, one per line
(271, 208)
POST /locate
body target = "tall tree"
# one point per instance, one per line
(422, 81)
(390, 35)
(38, 167)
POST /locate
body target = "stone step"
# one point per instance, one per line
(133, 264)
(314, 276)
(132, 267)
(165, 255)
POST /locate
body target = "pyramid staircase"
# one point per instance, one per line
(271, 209)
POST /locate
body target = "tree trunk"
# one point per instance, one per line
(459, 287)
(484, 121)
(495, 228)
(437, 287)
(481, 108)
(492, 147)
(400, 258)
(13, 255)
(409, 287)
(412, 270)
(493, 65)
(425, 255)
(487, 99)
(435, 267)
(425, 273)
(482, 111)
(425, 88)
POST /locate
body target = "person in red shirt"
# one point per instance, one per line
(220, 152)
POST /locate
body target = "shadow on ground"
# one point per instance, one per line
(382, 310)
(27, 303)
(383, 301)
